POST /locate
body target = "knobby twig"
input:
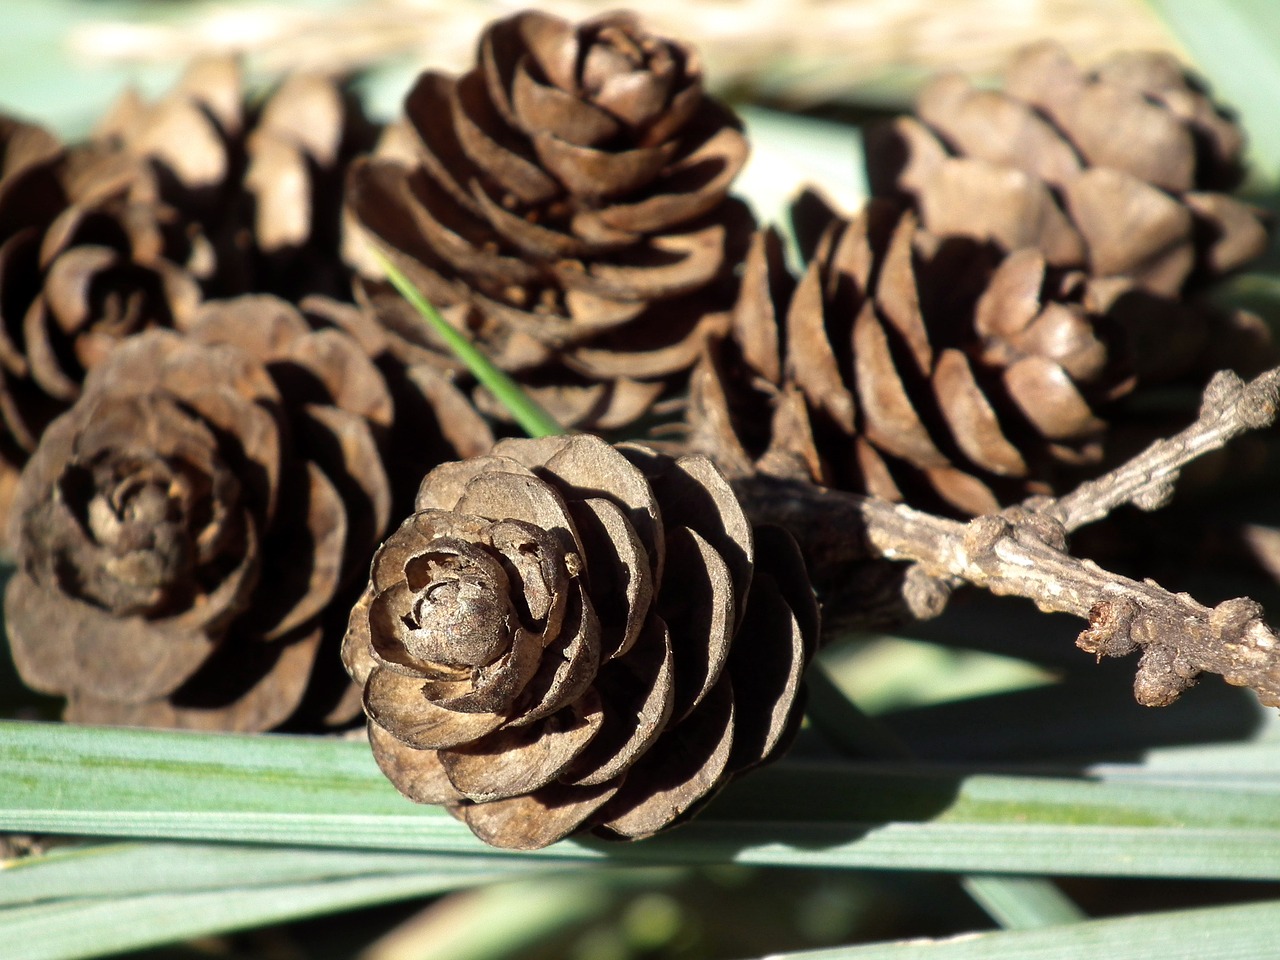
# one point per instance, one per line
(1022, 552)
(1230, 407)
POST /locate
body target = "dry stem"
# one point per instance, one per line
(1022, 552)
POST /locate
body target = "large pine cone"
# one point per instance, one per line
(1123, 171)
(568, 195)
(190, 535)
(569, 636)
(258, 188)
(939, 372)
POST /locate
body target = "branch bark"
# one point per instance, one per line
(1022, 552)
(1229, 408)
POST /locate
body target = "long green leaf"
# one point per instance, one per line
(534, 420)
(1245, 932)
(131, 869)
(321, 792)
(69, 929)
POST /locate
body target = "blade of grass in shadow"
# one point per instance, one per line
(1013, 902)
(1244, 932)
(534, 420)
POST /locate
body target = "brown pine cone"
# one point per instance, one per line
(259, 188)
(939, 372)
(1123, 171)
(568, 196)
(87, 257)
(568, 636)
(191, 534)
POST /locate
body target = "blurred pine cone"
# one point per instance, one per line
(258, 188)
(939, 372)
(193, 195)
(567, 197)
(87, 257)
(1123, 171)
(191, 534)
(569, 636)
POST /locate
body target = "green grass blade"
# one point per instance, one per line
(1022, 903)
(1246, 932)
(70, 929)
(1013, 902)
(534, 420)
(1237, 44)
(326, 792)
(131, 869)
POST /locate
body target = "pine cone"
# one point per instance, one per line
(258, 188)
(1123, 171)
(938, 372)
(568, 196)
(86, 258)
(190, 534)
(568, 636)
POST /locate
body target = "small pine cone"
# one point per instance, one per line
(259, 187)
(1123, 171)
(191, 533)
(936, 372)
(570, 636)
(86, 259)
(568, 196)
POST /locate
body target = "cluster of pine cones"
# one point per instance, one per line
(215, 408)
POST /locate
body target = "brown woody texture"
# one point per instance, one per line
(570, 636)
(565, 202)
(191, 196)
(969, 351)
(908, 366)
(257, 185)
(88, 255)
(1123, 171)
(191, 533)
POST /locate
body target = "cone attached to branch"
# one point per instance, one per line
(570, 636)
(190, 533)
(939, 372)
(567, 196)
